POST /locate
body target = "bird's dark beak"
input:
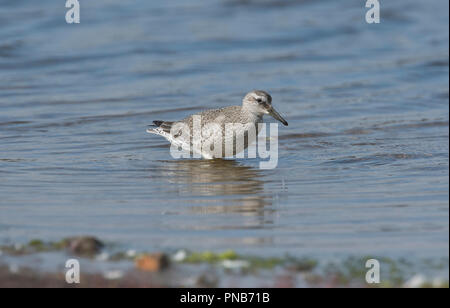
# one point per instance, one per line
(277, 116)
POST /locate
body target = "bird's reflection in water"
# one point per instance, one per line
(221, 186)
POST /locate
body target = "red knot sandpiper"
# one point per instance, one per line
(213, 126)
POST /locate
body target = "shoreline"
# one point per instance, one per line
(42, 264)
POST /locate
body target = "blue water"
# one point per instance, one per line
(363, 166)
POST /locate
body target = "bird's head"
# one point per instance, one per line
(260, 102)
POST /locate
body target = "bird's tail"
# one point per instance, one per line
(159, 126)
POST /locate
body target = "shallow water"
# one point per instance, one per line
(363, 166)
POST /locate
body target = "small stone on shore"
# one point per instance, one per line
(152, 262)
(84, 246)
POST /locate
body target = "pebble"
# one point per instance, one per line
(84, 246)
(113, 274)
(415, 282)
(179, 256)
(152, 262)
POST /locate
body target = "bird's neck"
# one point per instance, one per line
(251, 115)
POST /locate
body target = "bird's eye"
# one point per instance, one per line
(259, 100)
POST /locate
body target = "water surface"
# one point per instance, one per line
(363, 166)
